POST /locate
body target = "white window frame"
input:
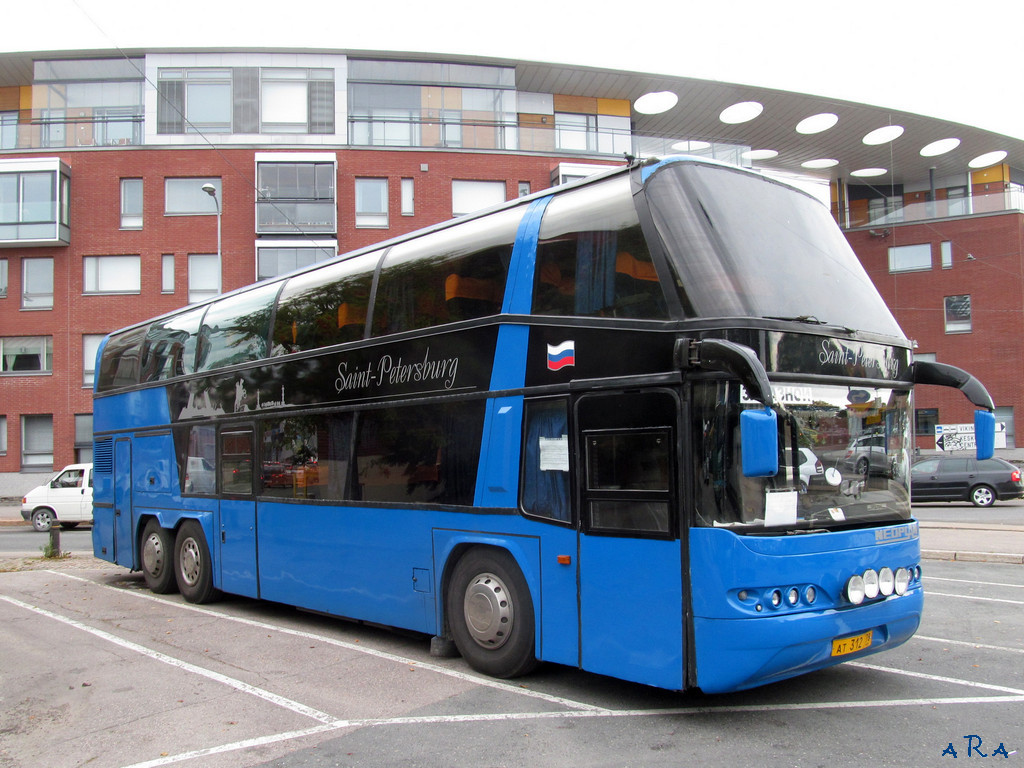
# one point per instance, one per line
(201, 267)
(33, 296)
(474, 195)
(408, 197)
(131, 203)
(41, 458)
(90, 346)
(111, 275)
(325, 249)
(167, 273)
(910, 258)
(958, 325)
(371, 204)
(188, 198)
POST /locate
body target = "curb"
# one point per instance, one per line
(972, 557)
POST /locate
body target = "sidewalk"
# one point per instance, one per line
(939, 541)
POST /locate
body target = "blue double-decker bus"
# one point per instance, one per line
(656, 424)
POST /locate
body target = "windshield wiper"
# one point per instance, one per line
(809, 319)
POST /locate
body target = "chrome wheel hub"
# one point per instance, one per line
(489, 611)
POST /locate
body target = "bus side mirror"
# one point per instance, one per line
(985, 433)
(759, 434)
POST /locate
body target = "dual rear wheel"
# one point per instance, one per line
(178, 561)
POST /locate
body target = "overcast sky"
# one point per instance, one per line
(954, 59)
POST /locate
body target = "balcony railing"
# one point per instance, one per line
(1009, 199)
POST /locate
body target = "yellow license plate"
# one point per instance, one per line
(844, 645)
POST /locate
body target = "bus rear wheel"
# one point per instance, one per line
(490, 613)
(157, 556)
(192, 566)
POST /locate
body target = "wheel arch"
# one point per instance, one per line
(451, 546)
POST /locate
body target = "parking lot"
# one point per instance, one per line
(100, 672)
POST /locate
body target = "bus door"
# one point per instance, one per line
(630, 561)
(123, 549)
(237, 529)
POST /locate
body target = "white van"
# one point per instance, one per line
(65, 500)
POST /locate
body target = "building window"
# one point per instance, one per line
(1004, 416)
(278, 260)
(925, 420)
(112, 274)
(576, 133)
(167, 273)
(910, 258)
(90, 346)
(194, 101)
(37, 284)
(131, 203)
(469, 196)
(296, 100)
(8, 130)
(958, 313)
(185, 197)
(408, 197)
(3, 278)
(296, 197)
(946, 251)
(523, 189)
(26, 354)
(37, 442)
(372, 203)
(203, 276)
(30, 205)
(83, 438)
(3, 435)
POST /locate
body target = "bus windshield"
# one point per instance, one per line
(739, 243)
(844, 459)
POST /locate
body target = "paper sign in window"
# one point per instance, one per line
(554, 454)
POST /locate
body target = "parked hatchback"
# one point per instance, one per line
(66, 500)
(965, 479)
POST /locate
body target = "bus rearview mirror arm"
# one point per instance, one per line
(944, 375)
(727, 356)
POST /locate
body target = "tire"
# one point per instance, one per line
(863, 467)
(982, 496)
(43, 519)
(193, 568)
(490, 613)
(156, 555)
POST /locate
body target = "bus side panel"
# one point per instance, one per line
(103, 531)
(131, 410)
(739, 645)
(364, 563)
(497, 482)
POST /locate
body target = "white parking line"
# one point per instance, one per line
(979, 583)
(967, 644)
(280, 701)
(930, 593)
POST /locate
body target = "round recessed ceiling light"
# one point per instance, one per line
(741, 112)
(690, 145)
(817, 123)
(940, 147)
(989, 158)
(823, 162)
(869, 172)
(655, 103)
(760, 154)
(883, 135)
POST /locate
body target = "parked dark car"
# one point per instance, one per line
(940, 478)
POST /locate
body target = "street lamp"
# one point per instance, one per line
(211, 190)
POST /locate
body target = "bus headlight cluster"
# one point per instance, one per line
(883, 582)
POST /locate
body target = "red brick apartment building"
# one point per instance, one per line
(134, 185)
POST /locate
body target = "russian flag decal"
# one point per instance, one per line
(561, 355)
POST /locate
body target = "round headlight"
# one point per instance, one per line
(901, 581)
(885, 581)
(870, 584)
(809, 594)
(793, 596)
(855, 589)
(776, 598)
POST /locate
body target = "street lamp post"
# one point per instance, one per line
(211, 190)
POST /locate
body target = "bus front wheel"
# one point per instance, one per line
(192, 567)
(490, 613)
(158, 558)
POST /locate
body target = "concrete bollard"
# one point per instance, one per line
(54, 539)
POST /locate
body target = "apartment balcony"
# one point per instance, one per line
(276, 217)
(1009, 199)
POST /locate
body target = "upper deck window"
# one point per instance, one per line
(743, 245)
(592, 258)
